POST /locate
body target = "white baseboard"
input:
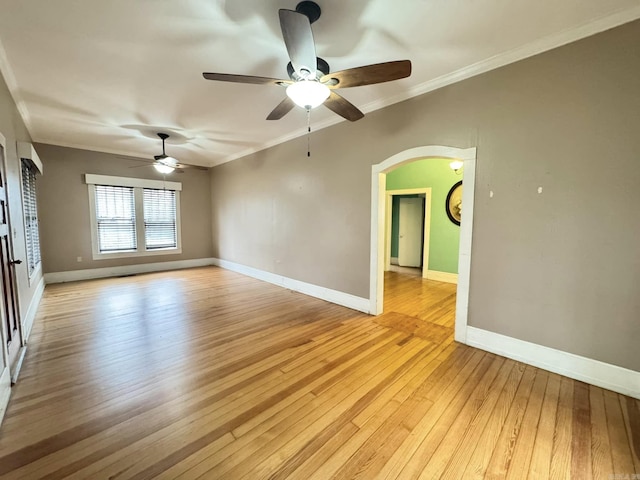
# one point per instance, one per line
(597, 373)
(15, 371)
(5, 392)
(442, 276)
(27, 322)
(91, 273)
(333, 296)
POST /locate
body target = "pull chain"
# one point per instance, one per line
(308, 132)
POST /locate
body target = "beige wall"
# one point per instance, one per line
(14, 130)
(560, 269)
(63, 208)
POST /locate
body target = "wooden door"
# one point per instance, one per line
(5, 376)
(411, 219)
(9, 305)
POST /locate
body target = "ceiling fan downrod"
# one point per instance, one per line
(309, 9)
(163, 136)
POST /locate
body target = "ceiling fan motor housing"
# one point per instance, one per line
(322, 68)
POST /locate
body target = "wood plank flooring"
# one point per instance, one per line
(208, 374)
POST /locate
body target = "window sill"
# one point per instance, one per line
(145, 253)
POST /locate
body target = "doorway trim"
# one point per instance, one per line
(378, 212)
(427, 225)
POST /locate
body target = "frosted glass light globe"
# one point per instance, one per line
(308, 93)
(165, 165)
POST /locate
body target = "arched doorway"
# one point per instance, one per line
(378, 210)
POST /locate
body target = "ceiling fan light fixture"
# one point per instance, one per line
(166, 164)
(162, 168)
(308, 93)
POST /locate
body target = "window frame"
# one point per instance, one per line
(37, 268)
(126, 197)
(154, 224)
(138, 184)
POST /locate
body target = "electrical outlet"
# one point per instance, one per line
(78, 259)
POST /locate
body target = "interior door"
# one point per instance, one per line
(5, 376)
(410, 222)
(9, 306)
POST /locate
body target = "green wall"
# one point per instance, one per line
(444, 238)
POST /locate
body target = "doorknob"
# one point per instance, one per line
(16, 262)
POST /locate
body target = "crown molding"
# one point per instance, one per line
(7, 72)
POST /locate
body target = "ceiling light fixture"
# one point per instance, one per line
(165, 165)
(456, 166)
(308, 94)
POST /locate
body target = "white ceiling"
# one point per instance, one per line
(107, 75)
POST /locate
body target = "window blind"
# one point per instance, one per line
(30, 208)
(160, 219)
(116, 218)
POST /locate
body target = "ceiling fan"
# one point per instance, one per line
(310, 81)
(165, 164)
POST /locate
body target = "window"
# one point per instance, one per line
(30, 207)
(115, 219)
(133, 217)
(159, 218)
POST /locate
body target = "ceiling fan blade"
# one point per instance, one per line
(298, 37)
(369, 74)
(178, 167)
(282, 109)
(182, 166)
(228, 77)
(343, 107)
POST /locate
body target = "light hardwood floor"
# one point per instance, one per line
(205, 373)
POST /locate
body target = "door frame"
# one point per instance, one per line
(378, 211)
(427, 225)
(5, 374)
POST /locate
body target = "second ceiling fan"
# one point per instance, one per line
(310, 81)
(164, 163)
